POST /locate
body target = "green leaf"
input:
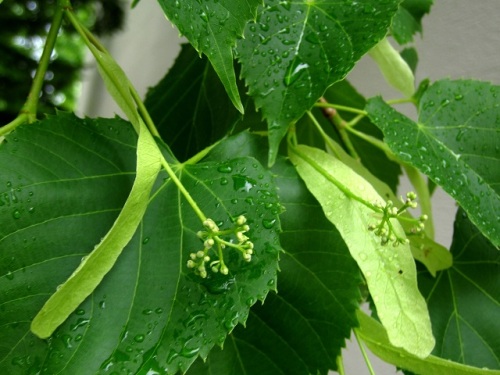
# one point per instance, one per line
(150, 312)
(202, 115)
(300, 337)
(408, 19)
(295, 50)
(455, 143)
(389, 272)
(464, 301)
(372, 333)
(99, 262)
(212, 27)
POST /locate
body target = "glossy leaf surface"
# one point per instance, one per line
(295, 50)
(464, 301)
(455, 143)
(303, 327)
(389, 272)
(150, 312)
(212, 27)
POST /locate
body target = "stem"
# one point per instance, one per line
(144, 113)
(183, 190)
(326, 138)
(19, 120)
(373, 141)
(30, 106)
(341, 108)
(340, 365)
(401, 101)
(422, 191)
(355, 120)
(363, 352)
(340, 124)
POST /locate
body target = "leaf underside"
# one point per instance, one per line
(455, 143)
(295, 50)
(150, 312)
(302, 328)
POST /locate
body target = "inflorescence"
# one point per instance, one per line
(214, 244)
(385, 229)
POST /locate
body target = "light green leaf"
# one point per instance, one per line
(455, 143)
(434, 256)
(389, 272)
(373, 334)
(295, 50)
(99, 262)
(212, 27)
(300, 337)
(150, 312)
(464, 301)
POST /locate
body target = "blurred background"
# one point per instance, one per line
(461, 39)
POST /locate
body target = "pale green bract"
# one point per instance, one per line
(100, 261)
(389, 271)
(374, 336)
(395, 70)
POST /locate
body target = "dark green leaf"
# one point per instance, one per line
(455, 143)
(464, 301)
(295, 50)
(203, 114)
(150, 312)
(410, 55)
(302, 329)
(408, 20)
(212, 27)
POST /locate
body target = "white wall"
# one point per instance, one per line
(461, 39)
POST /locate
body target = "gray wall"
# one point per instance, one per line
(461, 40)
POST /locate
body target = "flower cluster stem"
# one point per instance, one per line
(424, 197)
(363, 352)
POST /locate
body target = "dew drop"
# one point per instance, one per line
(295, 69)
(268, 224)
(16, 214)
(224, 169)
(139, 338)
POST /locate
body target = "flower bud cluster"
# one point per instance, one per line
(385, 229)
(215, 241)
